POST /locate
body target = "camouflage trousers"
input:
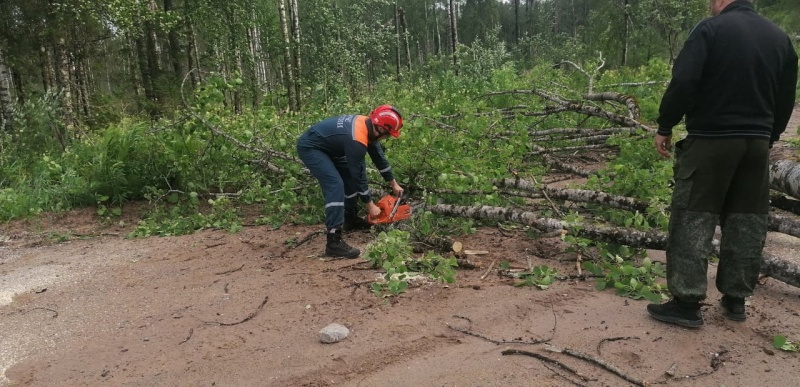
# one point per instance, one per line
(725, 182)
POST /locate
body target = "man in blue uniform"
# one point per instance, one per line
(334, 151)
(734, 81)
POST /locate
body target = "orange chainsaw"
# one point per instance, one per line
(392, 210)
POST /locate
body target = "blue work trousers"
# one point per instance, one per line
(338, 189)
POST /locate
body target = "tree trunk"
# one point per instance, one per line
(784, 176)
(259, 78)
(82, 86)
(625, 31)
(404, 33)
(453, 34)
(779, 221)
(296, 54)
(784, 223)
(235, 53)
(775, 267)
(397, 41)
(48, 69)
(6, 105)
(427, 50)
(146, 75)
(784, 203)
(287, 53)
(174, 45)
(65, 85)
(516, 22)
(646, 239)
(191, 51)
(578, 195)
(592, 110)
(437, 40)
(237, 92)
(556, 18)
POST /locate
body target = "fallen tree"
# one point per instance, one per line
(775, 267)
(784, 176)
(779, 221)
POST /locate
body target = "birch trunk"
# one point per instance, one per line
(65, 85)
(779, 221)
(258, 80)
(405, 34)
(48, 69)
(578, 195)
(784, 203)
(191, 50)
(437, 39)
(287, 53)
(784, 176)
(145, 71)
(625, 32)
(296, 53)
(174, 44)
(646, 239)
(453, 33)
(627, 100)
(772, 266)
(6, 106)
(397, 41)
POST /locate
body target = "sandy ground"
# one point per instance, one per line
(242, 309)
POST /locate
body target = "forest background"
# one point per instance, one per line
(194, 105)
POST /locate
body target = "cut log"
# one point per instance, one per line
(457, 246)
(775, 267)
(784, 176)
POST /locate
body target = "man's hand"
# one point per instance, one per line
(663, 145)
(397, 190)
(374, 211)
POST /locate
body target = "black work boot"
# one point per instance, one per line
(734, 308)
(685, 314)
(352, 222)
(337, 248)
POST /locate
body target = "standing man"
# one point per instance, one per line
(735, 82)
(334, 150)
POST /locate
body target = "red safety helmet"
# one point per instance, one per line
(388, 118)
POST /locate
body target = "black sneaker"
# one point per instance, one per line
(734, 308)
(676, 312)
(337, 248)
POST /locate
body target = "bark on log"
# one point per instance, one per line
(592, 131)
(630, 237)
(554, 162)
(593, 111)
(772, 266)
(779, 221)
(784, 222)
(578, 195)
(784, 203)
(784, 271)
(567, 149)
(784, 176)
(629, 101)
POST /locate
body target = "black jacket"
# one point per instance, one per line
(735, 77)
